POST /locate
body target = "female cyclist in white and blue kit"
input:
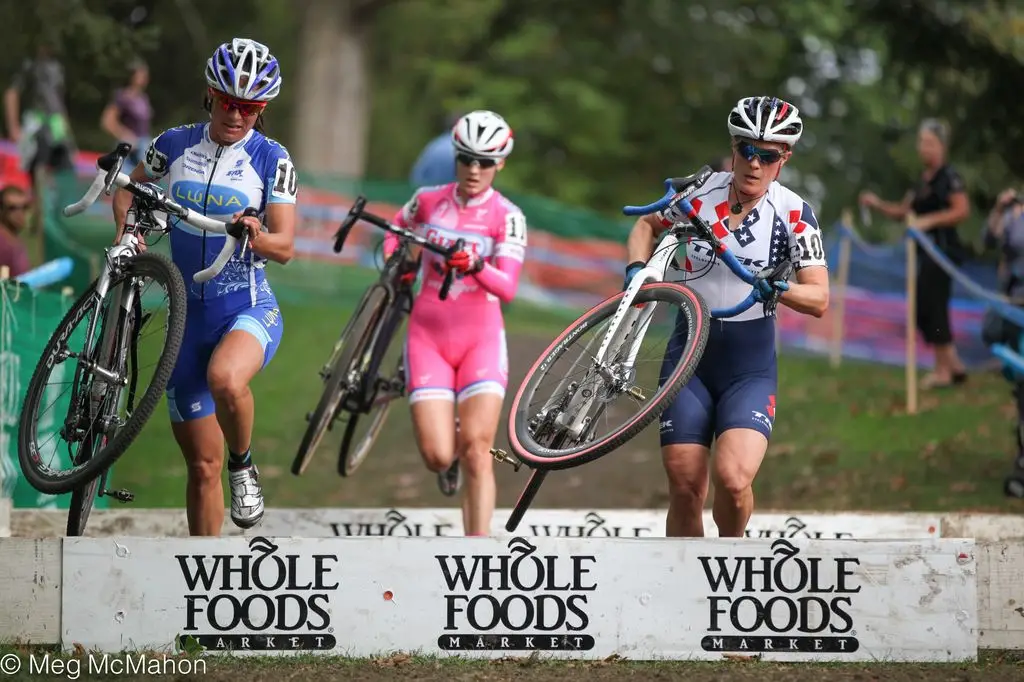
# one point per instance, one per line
(731, 397)
(233, 324)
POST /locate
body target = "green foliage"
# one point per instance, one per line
(607, 97)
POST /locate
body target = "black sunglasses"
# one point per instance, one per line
(467, 160)
(765, 156)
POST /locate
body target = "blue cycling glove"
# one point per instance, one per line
(770, 284)
(631, 270)
(765, 290)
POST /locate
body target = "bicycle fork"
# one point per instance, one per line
(604, 380)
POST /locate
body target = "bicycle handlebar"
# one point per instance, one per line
(358, 211)
(109, 176)
(704, 232)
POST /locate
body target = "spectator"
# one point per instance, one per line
(1005, 231)
(939, 203)
(436, 163)
(14, 208)
(42, 130)
(128, 114)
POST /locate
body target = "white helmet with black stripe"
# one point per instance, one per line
(482, 134)
(766, 118)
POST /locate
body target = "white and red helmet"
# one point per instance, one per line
(482, 134)
(766, 118)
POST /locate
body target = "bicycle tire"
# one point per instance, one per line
(349, 459)
(332, 397)
(540, 457)
(82, 500)
(159, 268)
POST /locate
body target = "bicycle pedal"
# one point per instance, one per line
(502, 456)
(122, 496)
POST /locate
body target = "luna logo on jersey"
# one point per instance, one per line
(517, 600)
(260, 601)
(753, 606)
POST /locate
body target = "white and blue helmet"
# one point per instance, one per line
(244, 69)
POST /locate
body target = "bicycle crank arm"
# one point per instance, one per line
(502, 456)
(122, 496)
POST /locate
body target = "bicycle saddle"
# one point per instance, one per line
(689, 183)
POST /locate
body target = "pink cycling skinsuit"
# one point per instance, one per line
(456, 347)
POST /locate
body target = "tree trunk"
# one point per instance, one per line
(333, 93)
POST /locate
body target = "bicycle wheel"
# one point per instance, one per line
(536, 436)
(88, 386)
(84, 497)
(350, 348)
(378, 394)
(354, 449)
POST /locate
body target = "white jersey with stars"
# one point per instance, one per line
(780, 226)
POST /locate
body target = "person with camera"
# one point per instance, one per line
(1005, 232)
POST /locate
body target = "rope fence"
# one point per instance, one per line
(914, 240)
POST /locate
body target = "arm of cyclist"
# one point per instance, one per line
(640, 243)
(154, 166)
(502, 278)
(278, 242)
(122, 201)
(282, 187)
(809, 294)
(405, 218)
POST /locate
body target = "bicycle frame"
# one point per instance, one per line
(627, 316)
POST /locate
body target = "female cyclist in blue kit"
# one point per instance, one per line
(233, 325)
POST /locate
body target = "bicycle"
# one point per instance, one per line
(561, 434)
(105, 380)
(351, 375)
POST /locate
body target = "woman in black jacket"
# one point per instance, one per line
(939, 203)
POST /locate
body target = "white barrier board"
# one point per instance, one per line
(439, 522)
(793, 600)
(582, 523)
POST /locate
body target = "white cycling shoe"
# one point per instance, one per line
(246, 497)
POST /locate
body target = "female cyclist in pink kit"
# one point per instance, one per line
(455, 352)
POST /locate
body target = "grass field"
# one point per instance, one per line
(842, 440)
(1004, 667)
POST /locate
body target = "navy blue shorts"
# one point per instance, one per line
(734, 386)
(188, 393)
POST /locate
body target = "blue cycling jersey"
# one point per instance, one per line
(219, 181)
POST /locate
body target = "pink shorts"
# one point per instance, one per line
(456, 354)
